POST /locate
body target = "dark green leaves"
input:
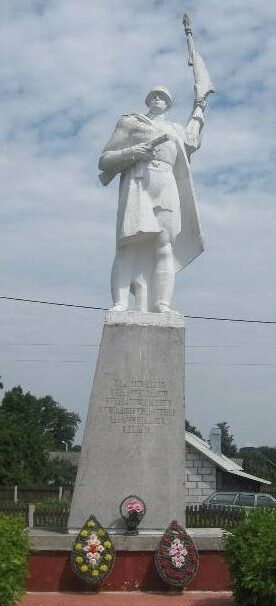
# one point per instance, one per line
(13, 559)
(251, 553)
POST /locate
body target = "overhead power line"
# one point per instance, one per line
(65, 344)
(68, 361)
(93, 307)
(54, 303)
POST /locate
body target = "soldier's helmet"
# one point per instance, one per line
(159, 89)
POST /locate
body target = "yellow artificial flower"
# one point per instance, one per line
(91, 524)
(107, 544)
(78, 546)
(108, 557)
(84, 533)
(94, 572)
(84, 568)
(103, 567)
(101, 532)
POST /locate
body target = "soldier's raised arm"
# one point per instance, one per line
(203, 87)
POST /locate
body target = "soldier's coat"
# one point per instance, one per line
(135, 216)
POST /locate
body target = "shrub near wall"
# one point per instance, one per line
(251, 553)
(13, 558)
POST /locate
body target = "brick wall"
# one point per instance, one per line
(200, 476)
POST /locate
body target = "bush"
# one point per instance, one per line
(251, 553)
(13, 558)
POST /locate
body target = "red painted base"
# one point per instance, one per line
(132, 571)
(187, 598)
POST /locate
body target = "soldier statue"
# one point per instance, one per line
(158, 229)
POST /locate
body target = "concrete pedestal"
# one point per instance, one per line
(134, 440)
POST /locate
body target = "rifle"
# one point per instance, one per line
(106, 177)
(203, 83)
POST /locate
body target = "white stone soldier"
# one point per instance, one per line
(158, 230)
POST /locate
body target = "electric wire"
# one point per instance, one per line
(97, 308)
(64, 344)
(65, 361)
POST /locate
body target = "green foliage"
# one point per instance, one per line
(56, 424)
(251, 552)
(23, 458)
(62, 472)
(228, 447)
(260, 461)
(13, 559)
(29, 428)
(192, 428)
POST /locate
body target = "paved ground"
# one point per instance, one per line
(194, 598)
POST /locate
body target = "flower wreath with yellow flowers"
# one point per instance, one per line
(93, 553)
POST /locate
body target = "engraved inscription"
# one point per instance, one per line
(138, 406)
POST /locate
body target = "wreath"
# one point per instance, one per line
(93, 553)
(176, 558)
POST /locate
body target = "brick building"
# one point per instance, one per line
(207, 470)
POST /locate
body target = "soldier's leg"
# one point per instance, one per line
(144, 253)
(121, 279)
(141, 294)
(164, 275)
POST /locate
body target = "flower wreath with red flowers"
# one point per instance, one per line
(176, 558)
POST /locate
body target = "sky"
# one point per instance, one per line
(68, 71)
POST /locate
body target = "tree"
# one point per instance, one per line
(29, 428)
(23, 452)
(63, 472)
(260, 461)
(193, 429)
(57, 424)
(1, 383)
(228, 446)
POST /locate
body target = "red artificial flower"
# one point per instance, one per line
(163, 550)
(170, 572)
(178, 575)
(93, 548)
(166, 537)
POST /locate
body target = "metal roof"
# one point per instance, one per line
(220, 460)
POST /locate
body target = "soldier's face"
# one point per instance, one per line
(158, 103)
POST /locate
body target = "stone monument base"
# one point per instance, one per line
(134, 569)
(134, 439)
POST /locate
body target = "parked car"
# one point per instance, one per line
(240, 499)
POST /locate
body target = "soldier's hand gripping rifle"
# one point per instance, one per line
(105, 177)
(203, 83)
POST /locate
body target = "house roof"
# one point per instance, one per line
(220, 460)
